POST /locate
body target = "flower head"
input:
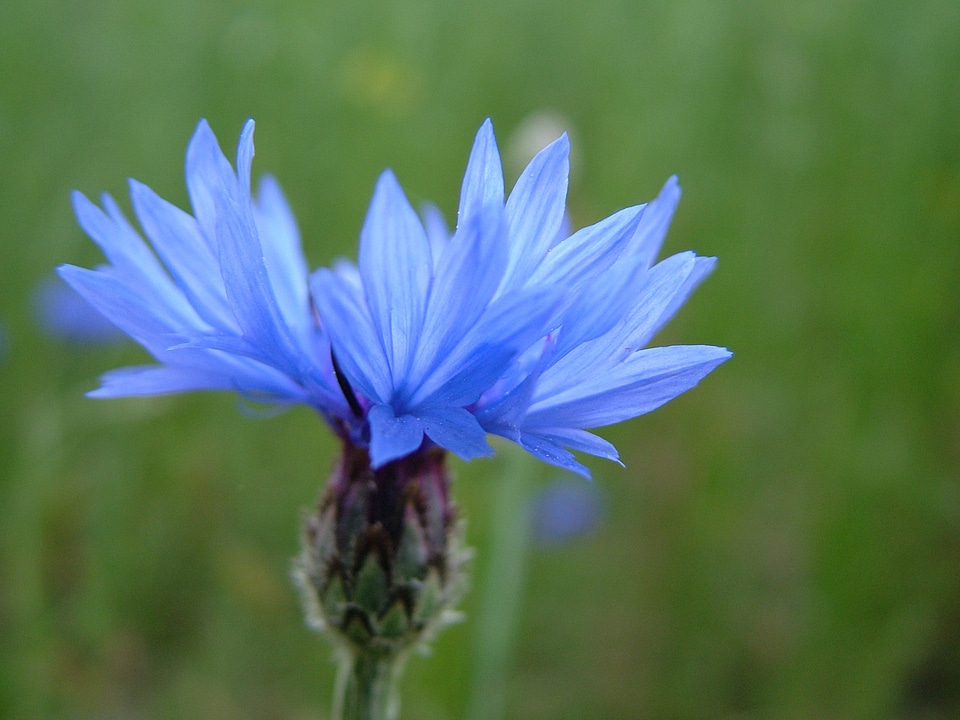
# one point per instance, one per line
(507, 325)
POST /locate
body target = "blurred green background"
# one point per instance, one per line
(785, 539)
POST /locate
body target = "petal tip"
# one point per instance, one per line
(671, 188)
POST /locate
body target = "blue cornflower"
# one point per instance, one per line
(507, 325)
(565, 510)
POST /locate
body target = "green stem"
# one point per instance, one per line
(499, 612)
(367, 688)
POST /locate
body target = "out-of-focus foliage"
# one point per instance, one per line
(784, 540)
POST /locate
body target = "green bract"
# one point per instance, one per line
(382, 564)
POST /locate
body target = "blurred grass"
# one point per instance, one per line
(785, 539)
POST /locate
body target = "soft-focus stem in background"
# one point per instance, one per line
(505, 567)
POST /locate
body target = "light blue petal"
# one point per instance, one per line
(643, 382)
(61, 313)
(347, 271)
(590, 251)
(248, 288)
(157, 380)
(120, 243)
(122, 305)
(535, 210)
(225, 215)
(702, 267)
(582, 441)
(282, 253)
(245, 160)
(392, 437)
(509, 326)
(597, 308)
(212, 374)
(395, 266)
(208, 370)
(132, 258)
(601, 309)
(651, 232)
(247, 374)
(661, 285)
(456, 430)
(546, 449)
(505, 404)
(468, 274)
(479, 370)
(230, 344)
(254, 372)
(437, 232)
(654, 292)
(564, 231)
(345, 318)
(208, 174)
(483, 179)
(176, 238)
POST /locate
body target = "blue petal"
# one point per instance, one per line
(223, 210)
(120, 243)
(208, 174)
(247, 375)
(597, 309)
(643, 382)
(247, 286)
(511, 325)
(591, 250)
(535, 209)
(165, 379)
(582, 441)
(396, 267)
(456, 430)
(702, 267)
(124, 306)
(345, 318)
(282, 254)
(661, 286)
(248, 361)
(245, 159)
(650, 234)
(437, 232)
(230, 344)
(637, 320)
(483, 179)
(131, 258)
(505, 403)
(64, 314)
(176, 238)
(392, 437)
(481, 369)
(546, 449)
(468, 274)
(157, 380)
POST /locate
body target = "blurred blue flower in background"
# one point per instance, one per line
(505, 326)
(565, 510)
(63, 314)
